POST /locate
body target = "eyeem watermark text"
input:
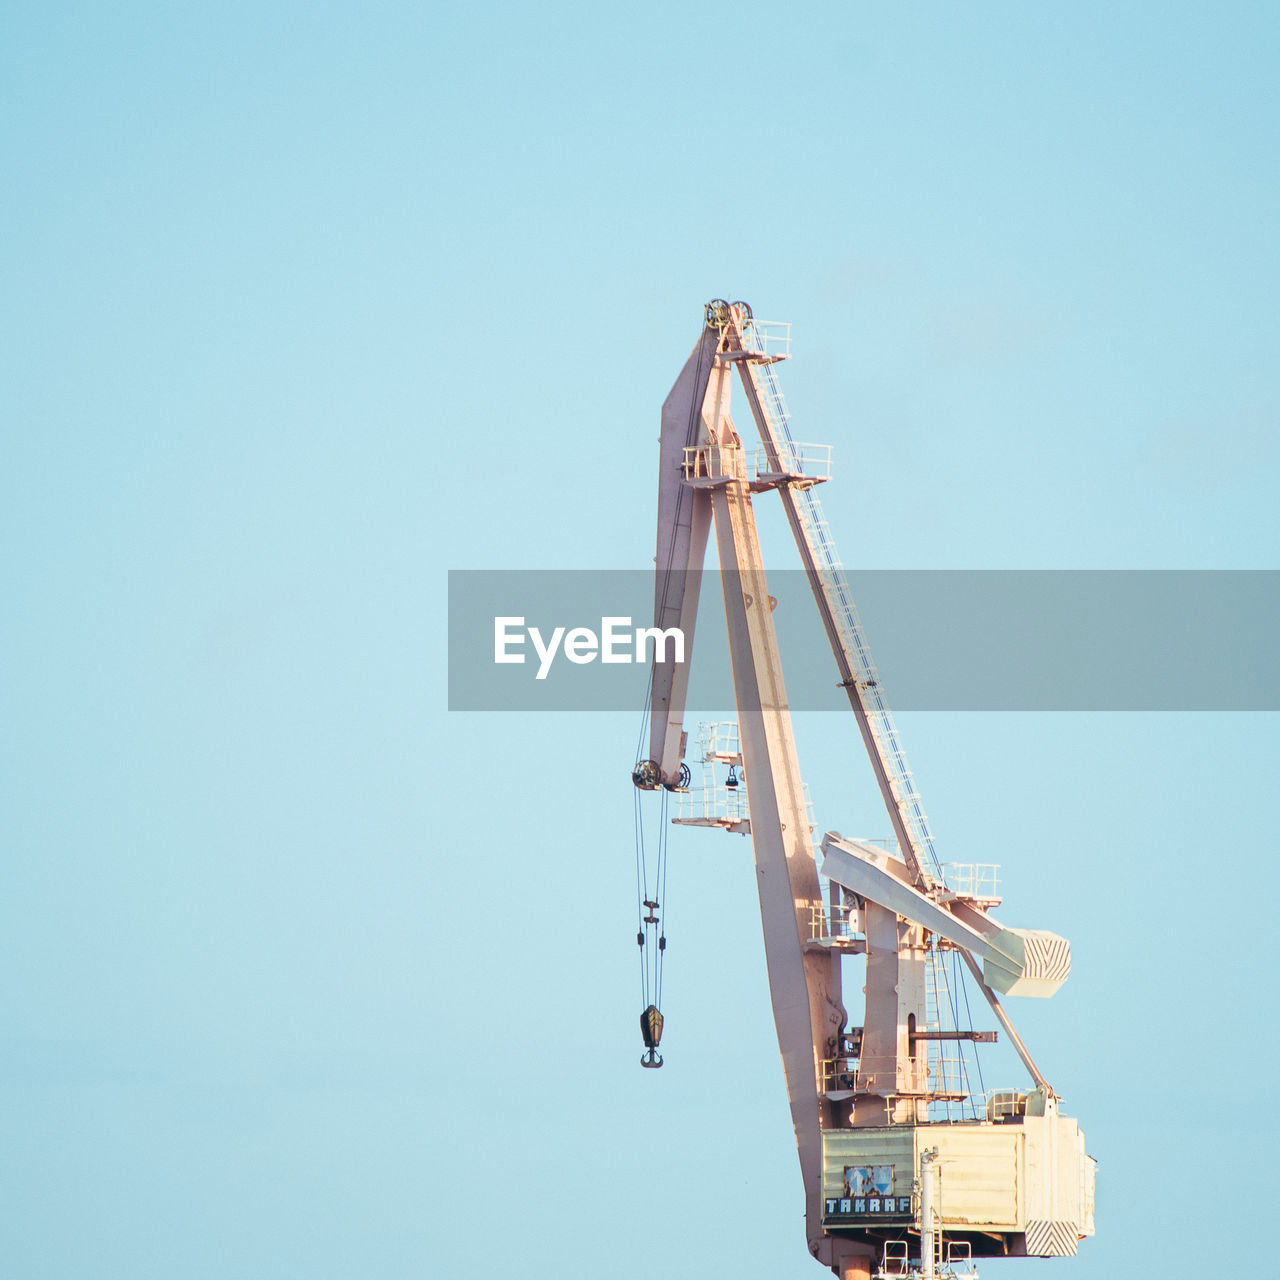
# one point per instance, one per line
(1058, 640)
(612, 643)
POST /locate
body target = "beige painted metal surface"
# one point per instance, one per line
(684, 519)
(892, 1082)
(1028, 1178)
(1026, 962)
(804, 986)
(1021, 962)
(873, 874)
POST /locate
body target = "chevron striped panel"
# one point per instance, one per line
(1047, 957)
(1051, 1238)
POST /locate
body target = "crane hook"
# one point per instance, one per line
(651, 1030)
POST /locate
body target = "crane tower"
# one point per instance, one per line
(906, 1171)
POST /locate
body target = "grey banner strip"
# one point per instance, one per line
(1087, 640)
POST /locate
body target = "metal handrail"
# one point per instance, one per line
(827, 920)
(792, 458)
(833, 1069)
(973, 879)
(714, 462)
(769, 338)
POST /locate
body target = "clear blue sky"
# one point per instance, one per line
(303, 976)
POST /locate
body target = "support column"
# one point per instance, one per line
(803, 985)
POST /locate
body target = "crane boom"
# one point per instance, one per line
(699, 438)
(684, 518)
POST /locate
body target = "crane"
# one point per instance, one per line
(905, 1170)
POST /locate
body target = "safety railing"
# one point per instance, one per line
(833, 920)
(893, 1261)
(949, 1075)
(717, 462)
(953, 1260)
(714, 805)
(769, 338)
(839, 1073)
(959, 1260)
(714, 462)
(794, 460)
(973, 879)
(719, 740)
(720, 796)
(1003, 1104)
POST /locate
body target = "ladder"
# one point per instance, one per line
(840, 617)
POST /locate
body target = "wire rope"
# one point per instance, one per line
(642, 892)
(660, 886)
(977, 1057)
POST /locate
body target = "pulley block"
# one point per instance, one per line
(651, 1030)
